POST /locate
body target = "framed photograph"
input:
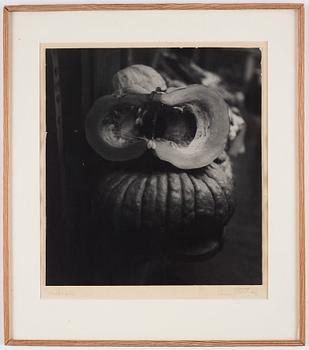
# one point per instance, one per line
(154, 175)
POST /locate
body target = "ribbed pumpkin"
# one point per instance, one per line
(167, 201)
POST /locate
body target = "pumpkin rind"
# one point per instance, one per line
(204, 200)
(225, 182)
(174, 207)
(188, 198)
(161, 201)
(148, 204)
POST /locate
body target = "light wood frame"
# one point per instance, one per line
(6, 175)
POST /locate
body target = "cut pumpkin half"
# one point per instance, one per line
(187, 127)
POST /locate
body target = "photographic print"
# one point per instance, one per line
(152, 166)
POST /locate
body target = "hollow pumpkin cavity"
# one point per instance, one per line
(176, 124)
(119, 128)
(128, 123)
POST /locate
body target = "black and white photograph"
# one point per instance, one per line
(153, 166)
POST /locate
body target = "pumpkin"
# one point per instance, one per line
(161, 201)
(138, 78)
(187, 127)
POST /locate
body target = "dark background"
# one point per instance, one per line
(77, 251)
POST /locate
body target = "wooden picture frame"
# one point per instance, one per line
(7, 131)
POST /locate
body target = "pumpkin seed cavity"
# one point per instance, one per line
(154, 123)
(119, 128)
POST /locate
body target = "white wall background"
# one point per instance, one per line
(13, 2)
